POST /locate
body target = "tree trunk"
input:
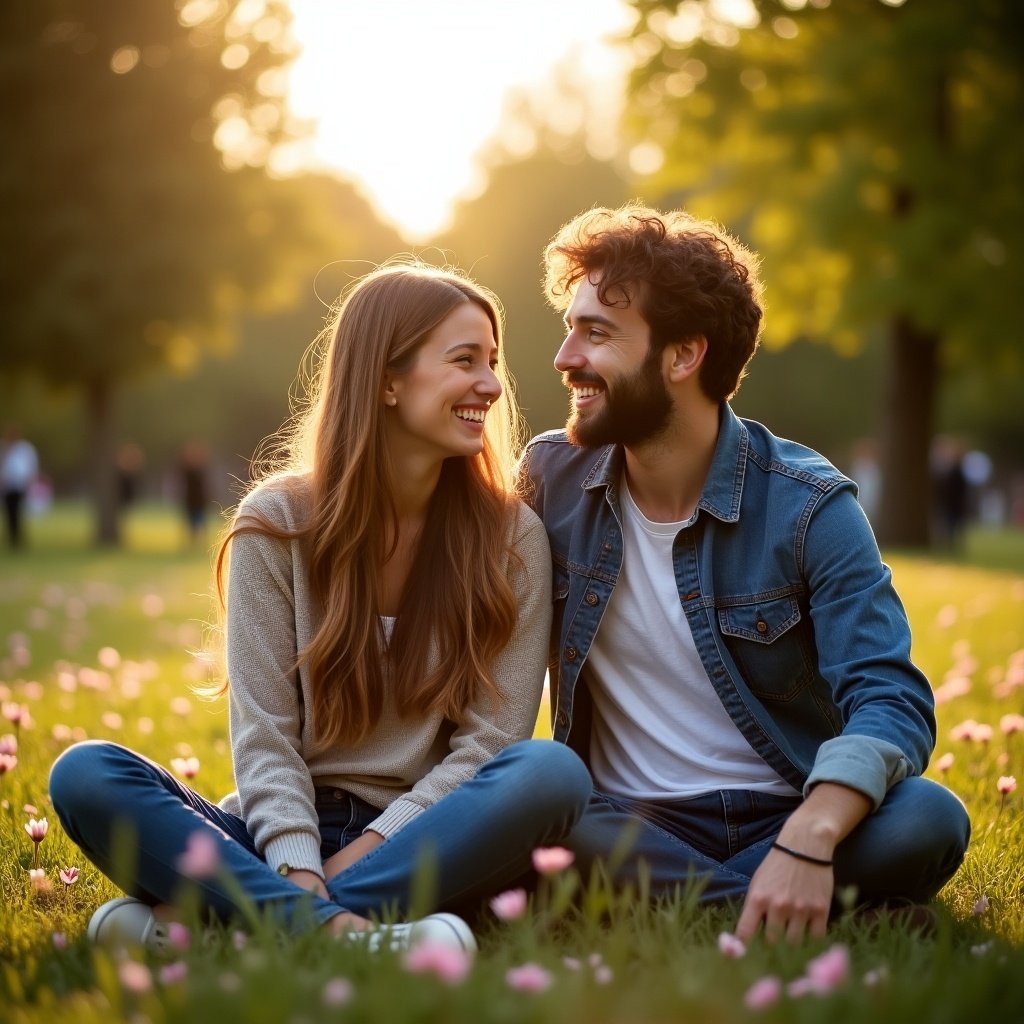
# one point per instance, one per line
(99, 400)
(907, 422)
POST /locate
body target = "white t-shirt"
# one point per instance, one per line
(660, 730)
(19, 466)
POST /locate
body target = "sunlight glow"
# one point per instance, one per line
(405, 92)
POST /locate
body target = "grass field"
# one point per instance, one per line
(110, 645)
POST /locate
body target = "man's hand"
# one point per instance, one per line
(790, 897)
(348, 855)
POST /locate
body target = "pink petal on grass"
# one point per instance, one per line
(135, 977)
(831, 969)
(1006, 784)
(729, 945)
(201, 857)
(509, 905)
(529, 978)
(69, 875)
(337, 992)
(549, 860)
(450, 965)
(173, 973)
(763, 993)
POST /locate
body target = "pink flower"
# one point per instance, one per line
(36, 829)
(944, 763)
(13, 711)
(1006, 784)
(239, 940)
(729, 945)
(178, 936)
(831, 969)
(109, 657)
(186, 767)
(571, 963)
(8, 744)
(1011, 724)
(529, 977)
(444, 962)
(8, 762)
(982, 733)
(763, 993)
(981, 905)
(31, 810)
(337, 992)
(135, 977)
(173, 973)
(549, 860)
(201, 857)
(603, 974)
(509, 905)
(68, 875)
(60, 941)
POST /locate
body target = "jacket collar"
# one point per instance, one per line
(723, 488)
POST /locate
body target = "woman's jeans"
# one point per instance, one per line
(133, 819)
(906, 850)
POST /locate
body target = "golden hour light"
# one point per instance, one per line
(404, 93)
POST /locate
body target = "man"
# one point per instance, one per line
(729, 655)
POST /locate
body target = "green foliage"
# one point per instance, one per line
(862, 147)
(124, 242)
(64, 604)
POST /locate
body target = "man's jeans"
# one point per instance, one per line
(906, 850)
(478, 839)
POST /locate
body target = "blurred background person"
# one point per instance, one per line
(19, 467)
(194, 488)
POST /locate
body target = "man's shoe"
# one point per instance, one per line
(127, 921)
(437, 929)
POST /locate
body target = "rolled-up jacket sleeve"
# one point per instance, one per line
(863, 641)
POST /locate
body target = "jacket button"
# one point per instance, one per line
(570, 653)
(591, 599)
(562, 719)
(606, 547)
(762, 627)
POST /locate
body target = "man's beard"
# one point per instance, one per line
(637, 410)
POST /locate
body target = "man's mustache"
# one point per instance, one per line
(581, 380)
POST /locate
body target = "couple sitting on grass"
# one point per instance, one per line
(730, 665)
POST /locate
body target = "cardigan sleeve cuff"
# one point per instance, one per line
(299, 850)
(395, 817)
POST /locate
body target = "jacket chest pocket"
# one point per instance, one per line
(772, 644)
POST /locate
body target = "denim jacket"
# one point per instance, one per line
(792, 611)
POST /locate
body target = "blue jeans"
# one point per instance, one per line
(479, 837)
(907, 850)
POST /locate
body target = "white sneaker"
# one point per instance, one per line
(127, 921)
(440, 929)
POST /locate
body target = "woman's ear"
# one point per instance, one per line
(389, 394)
(684, 357)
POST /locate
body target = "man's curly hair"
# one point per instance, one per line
(689, 277)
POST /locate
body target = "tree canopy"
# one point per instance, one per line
(866, 149)
(125, 244)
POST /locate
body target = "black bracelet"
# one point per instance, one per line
(802, 856)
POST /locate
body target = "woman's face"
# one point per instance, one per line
(438, 408)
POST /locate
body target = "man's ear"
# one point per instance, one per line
(683, 358)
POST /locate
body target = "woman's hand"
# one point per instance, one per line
(310, 881)
(348, 855)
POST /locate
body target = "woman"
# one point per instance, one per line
(388, 613)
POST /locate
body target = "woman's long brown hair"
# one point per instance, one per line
(458, 610)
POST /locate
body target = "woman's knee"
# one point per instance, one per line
(551, 773)
(82, 773)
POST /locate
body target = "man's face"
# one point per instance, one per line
(618, 390)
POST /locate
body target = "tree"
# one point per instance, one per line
(125, 243)
(866, 149)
